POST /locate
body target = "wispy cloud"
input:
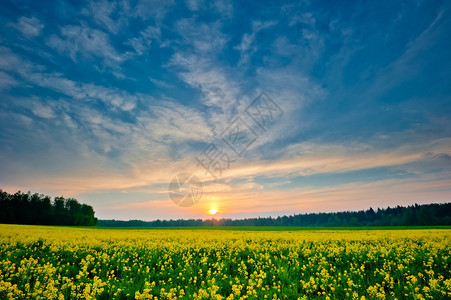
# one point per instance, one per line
(197, 63)
(29, 27)
(110, 15)
(155, 137)
(247, 47)
(143, 42)
(218, 90)
(322, 158)
(84, 41)
(43, 111)
(412, 61)
(223, 7)
(202, 38)
(195, 5)
(55, 81)
(6, 81)
(153, 9)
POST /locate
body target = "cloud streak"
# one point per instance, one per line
(29, 27)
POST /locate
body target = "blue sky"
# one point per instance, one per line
(107, 101)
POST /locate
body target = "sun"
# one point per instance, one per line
(213, 211)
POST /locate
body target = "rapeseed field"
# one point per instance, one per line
(39, 262)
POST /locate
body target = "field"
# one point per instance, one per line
(38, 262)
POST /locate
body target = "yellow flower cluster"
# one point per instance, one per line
(39, 262)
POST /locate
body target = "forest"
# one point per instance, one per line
(35, 209)
(414, 215)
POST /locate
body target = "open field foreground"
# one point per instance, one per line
(39, 262)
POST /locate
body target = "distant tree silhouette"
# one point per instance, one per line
(425, 215)
(24, 208)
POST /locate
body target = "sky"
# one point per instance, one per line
(276, 108)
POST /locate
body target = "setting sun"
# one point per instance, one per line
(213, 211)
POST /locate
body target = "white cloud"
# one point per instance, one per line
(6, 81)
(111, 15)
(246, 48)
(143, 42)
(85, 41)
(293, 91)
(115, 98)
(29, 27)
(194, 5)
(173, 122)
(305, 18)
(93, 143)
(204, 38)
(314, 158)
(42, 111)
(98, 140)
(161, 121)
(139, 45)
(219, 89)
(160, 83)
(197, 63)
(223, 7)
(10, 61)
(153, 9)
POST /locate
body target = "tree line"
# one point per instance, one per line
(414, 215)
(35, 209)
